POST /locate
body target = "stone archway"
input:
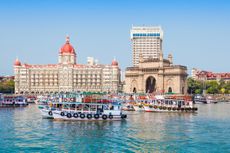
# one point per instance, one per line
(150, 85)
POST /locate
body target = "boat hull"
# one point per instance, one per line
(4, 105)
(58, 116)
(171, 110)
(46, 113)
(138, 108)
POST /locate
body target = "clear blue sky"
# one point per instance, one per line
(196, 32)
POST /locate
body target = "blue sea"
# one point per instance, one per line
(208, 130)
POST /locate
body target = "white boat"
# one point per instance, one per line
(199, 99)
(86, 111)
(12, 101)
(85, 108)
(170, 105)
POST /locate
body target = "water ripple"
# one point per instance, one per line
(23, 130)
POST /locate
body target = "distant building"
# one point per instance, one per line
(151, 73)
(5, 78)
(146, 42)
(67, 75)
(207, 75)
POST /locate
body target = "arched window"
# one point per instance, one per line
(170, 90)
(134, 90)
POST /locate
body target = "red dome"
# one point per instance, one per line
(114, 63)
(17, 63)
(67, 48)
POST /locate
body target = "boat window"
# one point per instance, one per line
(105, 107)
(166, 102)
(111, 107)
(86, 108)
(174, 103)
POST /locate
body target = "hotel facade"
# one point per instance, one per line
(151, 73)
(67, 75)
(146, 41)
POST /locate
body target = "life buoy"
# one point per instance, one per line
(164, 108)
(160, 107)
(96, 116)
(69, 115)
(82, 116)
(155, 106)
(50, 113)
(75, 115)
(189, 109)
(174, 108)
(65, 99)
(123, 116)
(62, 114)
(89, 116)
(110, 116)
(104, 117)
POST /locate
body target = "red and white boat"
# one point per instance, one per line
(170, 105)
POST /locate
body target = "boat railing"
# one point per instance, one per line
(80, 111)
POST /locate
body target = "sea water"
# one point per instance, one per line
(208, 130)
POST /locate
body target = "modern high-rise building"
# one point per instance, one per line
(146, 43)
(67, 75)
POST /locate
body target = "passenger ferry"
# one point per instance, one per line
(78, 108)
(170, 105)
(12, 101)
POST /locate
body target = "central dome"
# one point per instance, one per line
(67, 47)
(114, 63)
(17, 62)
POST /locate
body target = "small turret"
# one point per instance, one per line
(161, 56)
(170, 58)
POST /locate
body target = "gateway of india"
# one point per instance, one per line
(151, 73)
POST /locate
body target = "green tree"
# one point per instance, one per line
(227, 87)
(194, 86)
(7, 86)
(212, 87)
